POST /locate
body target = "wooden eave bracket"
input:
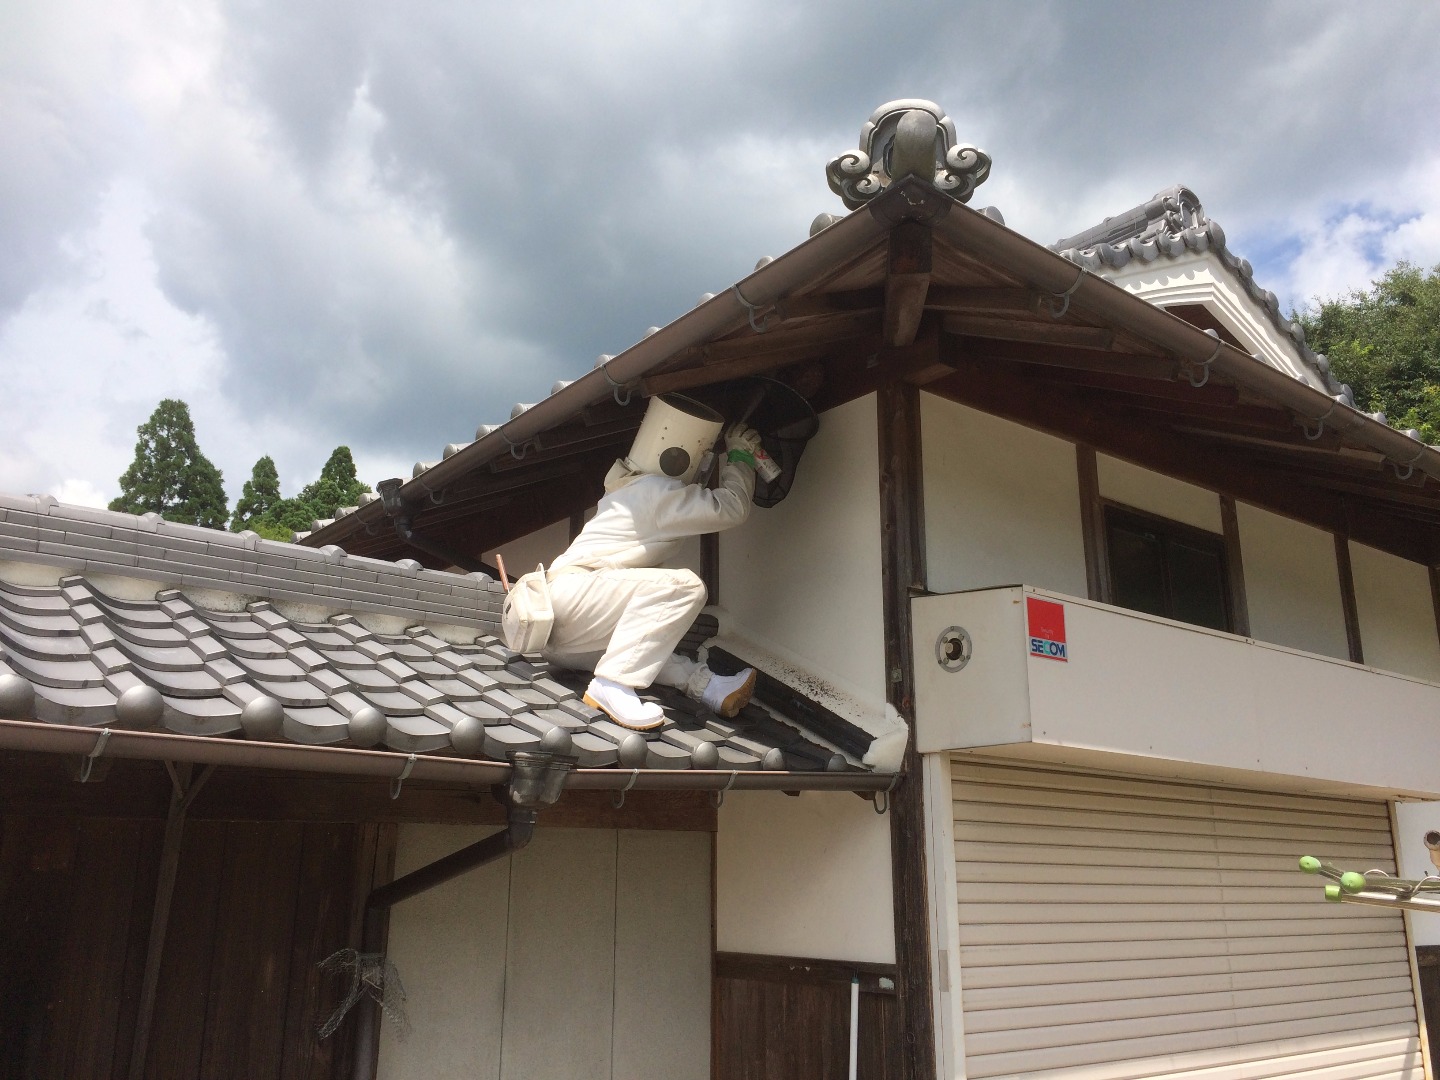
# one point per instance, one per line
(907, 282)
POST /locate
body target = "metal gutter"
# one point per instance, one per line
(84, 742)
(163, 746)
(719, 315)
(1052, 273)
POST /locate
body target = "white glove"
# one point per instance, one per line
(742, 438)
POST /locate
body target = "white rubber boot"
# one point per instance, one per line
(623, 705)
(726, 695)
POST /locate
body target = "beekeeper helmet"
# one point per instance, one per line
(675, 435)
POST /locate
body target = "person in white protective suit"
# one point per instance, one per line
(617, 612)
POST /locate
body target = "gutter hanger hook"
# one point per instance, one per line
(1058, 311)
(750, 310)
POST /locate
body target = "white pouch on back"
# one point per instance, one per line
(528, 617)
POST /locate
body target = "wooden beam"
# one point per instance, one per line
(1044, 333)
(1134, 365)
(907, 280)
(1213, 399)
(722, 371)
(783, 339)
(1292, 439)
(1347, 598)
(1092, 525)
(902, 547)
(1234, 567)
(982, 301)
(845, 302)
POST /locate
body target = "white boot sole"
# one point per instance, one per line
(738, 698)
(632, 725)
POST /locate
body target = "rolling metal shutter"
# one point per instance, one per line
(1116, 928)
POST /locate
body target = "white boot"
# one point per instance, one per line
(623, 705)
(726, 695)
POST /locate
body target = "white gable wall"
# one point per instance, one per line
(1002, 503)
(1397, 618)
(804, 876)
(802, 579)
(1158, 494)
(1292, 583)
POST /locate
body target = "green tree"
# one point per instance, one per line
(169, 475)
(338, 485)
(261, 493)
(1385, 342)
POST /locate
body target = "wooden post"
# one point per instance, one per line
(182, 794)
(1234, 567)
(902, 556)
(1347, 598)
(1092, 524)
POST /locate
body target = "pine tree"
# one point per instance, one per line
(169, 475)
(261, 493)
(338, 486)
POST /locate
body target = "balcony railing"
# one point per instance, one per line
(1022, 673)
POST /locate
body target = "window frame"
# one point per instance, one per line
(1195, 536)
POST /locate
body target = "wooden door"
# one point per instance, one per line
(787, 1018)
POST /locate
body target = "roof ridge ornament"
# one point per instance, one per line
(908, 137)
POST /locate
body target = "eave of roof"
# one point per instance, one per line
(723, 313)
(980, 242)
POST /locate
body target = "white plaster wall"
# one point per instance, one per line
(448, 946)
(1397, 617)
(521, 556)
(804, 876)
(1002, 503)
(1412, 822)
(586, 954)
(1292, 584)
(1158, 494)
(803, 578)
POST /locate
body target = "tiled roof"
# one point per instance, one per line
(85, 541)
(1173, 223)
(74, 652)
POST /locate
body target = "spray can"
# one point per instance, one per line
(765, 466)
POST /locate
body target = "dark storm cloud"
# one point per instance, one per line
(400, 219)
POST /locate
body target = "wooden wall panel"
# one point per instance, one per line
(788, 1018)
(70, 962)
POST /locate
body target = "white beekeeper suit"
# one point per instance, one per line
(621, 615)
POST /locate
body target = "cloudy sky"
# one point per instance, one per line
(379, 224)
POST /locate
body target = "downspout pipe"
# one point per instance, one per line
(536, 781)
(400, 513)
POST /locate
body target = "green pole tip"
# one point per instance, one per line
(1309, 864)
(1332, 892)
(1352, 882)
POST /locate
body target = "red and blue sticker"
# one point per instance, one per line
(1045, 626)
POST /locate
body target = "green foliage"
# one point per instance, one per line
(1385, 342)
(337, 486)
(169, 475)
(261, 493)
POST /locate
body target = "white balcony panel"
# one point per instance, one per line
(1146, 694)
